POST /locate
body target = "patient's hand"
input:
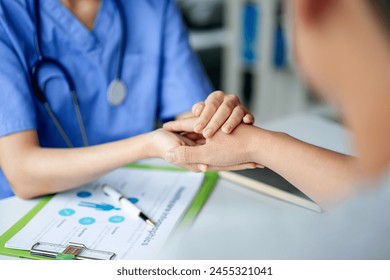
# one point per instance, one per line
(221, 152)
(163, 141)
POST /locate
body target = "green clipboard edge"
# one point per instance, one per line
(200, 199)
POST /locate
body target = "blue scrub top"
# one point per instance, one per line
(163, 76)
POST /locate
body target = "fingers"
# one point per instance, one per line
(193, 156)
(239, 114)
(249, 119)
(187, 141)
(197, 109)
(182, 125)
(190, 158)
(185, 155)
(196, 137)
(212, 104)
(201, 141)
(191, 167)
(234, 120)
(224, 112)
(205, 167)
(218, 111)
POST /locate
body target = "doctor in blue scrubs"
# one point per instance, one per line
(82, 83)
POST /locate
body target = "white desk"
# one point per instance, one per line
(228, 203)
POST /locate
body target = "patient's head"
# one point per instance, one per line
(340, 45)
(343, 50)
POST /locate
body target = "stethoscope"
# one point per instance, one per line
(116, 92)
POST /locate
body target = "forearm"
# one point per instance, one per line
(323, 175)
(39, 171)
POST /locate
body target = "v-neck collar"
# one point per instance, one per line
(78, 33)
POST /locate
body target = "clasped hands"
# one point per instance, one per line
(216, 136)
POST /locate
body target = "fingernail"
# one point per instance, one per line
(170, 156)
(226, 128)
(198, 127)
(202, 167)
(248, 118)
(208, 132)
(198, 109)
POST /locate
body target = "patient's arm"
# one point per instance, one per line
(323, 175)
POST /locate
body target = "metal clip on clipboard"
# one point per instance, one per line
(72, 251)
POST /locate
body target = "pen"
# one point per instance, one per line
(126, 205)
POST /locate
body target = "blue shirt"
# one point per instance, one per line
(163, 76)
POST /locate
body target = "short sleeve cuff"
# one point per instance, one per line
(17, 126)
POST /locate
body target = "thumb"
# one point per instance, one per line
(184, 154)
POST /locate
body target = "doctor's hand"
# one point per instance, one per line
(219, 111)
(219, 152)
(161, 141)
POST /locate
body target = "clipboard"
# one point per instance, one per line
(42, 251)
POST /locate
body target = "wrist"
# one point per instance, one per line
(149, 145)
(138, 147)
(266, 146)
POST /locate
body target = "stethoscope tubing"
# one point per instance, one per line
(43, 60)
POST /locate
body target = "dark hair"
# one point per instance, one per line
(382, 9)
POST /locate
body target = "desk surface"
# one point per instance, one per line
(229, 202)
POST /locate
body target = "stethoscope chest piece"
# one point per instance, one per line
(116, 92)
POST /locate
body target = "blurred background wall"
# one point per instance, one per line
(244, 47)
